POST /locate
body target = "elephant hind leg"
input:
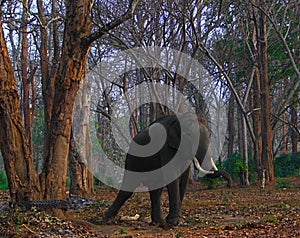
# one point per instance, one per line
(183, 182)
(117, 204)
(174, 215)
(156, 215)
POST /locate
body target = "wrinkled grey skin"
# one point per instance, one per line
(176, 189)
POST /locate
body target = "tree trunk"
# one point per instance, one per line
(267, 150)
(67, 82)
(22, 177)
(241, 145)
(256, 117)
(25, 80)
(256, 99)
(231, 126)
(284, 125)
(245, 151)
(81, 175)
(48, 75)
(80, 163)
(294, 121)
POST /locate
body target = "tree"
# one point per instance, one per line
(267, 151)
(80, 157)
(17, 155)
(24, 183)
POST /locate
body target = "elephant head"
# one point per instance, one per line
(202, 159)
(201, 155)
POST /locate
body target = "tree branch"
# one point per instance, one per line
(287, 48)
(113, 24)
(232, 88)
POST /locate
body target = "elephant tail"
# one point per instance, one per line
(221, 173)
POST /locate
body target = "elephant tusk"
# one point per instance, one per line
(200, 169)
(213, 164)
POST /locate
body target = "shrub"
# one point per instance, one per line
(287, 165)
(280, 183)
(235, 165)
(211, 183)
(3, 180)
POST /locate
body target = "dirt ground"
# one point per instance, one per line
(222, 212)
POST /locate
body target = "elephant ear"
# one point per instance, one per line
(174, 134)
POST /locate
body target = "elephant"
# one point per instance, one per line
(186, 137)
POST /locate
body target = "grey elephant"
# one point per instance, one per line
(186, 138)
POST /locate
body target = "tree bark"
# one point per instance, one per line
(284, 117)
(294, 121)
(267, 150)
(22, 177)
(231, 126)
(48, 73)
(67, 82)
(25, 80)
(256, 117)
(80, 161)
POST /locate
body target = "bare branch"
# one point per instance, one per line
(291, 57)
(231, 86)
(113, 24)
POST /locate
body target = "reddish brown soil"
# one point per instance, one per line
(222, 212)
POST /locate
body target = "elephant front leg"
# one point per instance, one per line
(174, 215)
(117, 204)
(183, 182)
(156, 215)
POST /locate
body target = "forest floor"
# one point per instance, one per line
(221, 212)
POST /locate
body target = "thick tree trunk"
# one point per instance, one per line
(22, 177)
(267, 150)
(81, 175)
(67, 82)
(80, 161)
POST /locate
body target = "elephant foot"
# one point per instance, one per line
(108, 216)
(157, 220)
(165, 226)
(175, 221)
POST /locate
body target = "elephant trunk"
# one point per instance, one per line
(221, 173)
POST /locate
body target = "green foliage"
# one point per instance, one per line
(122, 230)
(271, 219)
(68, 181)
(38, 128)
(211, 183)
(96, 179)
(280, 183)
(179, 234)
(3, 181)
(235, 165)
(110, 180)
(287, 165)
